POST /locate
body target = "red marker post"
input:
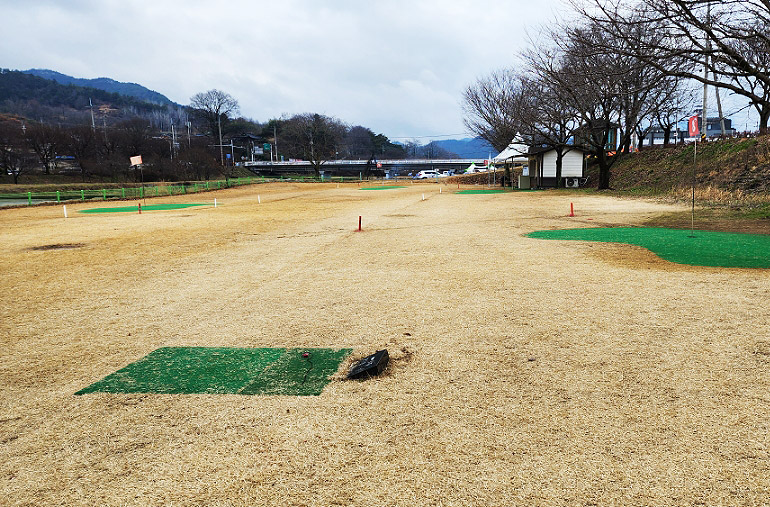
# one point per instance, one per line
(140, 208)
(359, 223)
(571, 210)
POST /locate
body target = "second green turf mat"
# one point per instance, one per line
(135, 209)
(705, 248)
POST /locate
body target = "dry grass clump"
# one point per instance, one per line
(716, 196)
(523, 372)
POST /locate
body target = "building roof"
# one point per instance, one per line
(515, 152)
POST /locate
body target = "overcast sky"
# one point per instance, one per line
(397, 67)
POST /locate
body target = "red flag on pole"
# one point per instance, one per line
(692, 126)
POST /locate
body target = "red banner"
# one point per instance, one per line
(692, 126)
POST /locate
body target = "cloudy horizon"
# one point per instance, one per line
(396, 67)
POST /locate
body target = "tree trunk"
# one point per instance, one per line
(559, 160)
(604, 171)
(627, 145)
(221, 148)
(764, 117)
(666, 136)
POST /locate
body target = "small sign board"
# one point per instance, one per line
(692, 126)
(136, 160)
(370, 365)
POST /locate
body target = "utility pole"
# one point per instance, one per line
(91, 106)
(275, 144)
(188, 135)
(704, 127)
(719, 110)
(312, 152)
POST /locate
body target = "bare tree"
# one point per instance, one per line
(680, 102)
(358, 142)
(45, 140)
(492, 107)
(612, 91)
(15, 159)
(547, 117)
(314, 137)
(724, 44)
(81, 141)
(212, 106)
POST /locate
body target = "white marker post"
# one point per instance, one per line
(215, 202)
(423, 197)
(65, 211)
(259, 200)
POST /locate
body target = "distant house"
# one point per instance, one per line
(585, 134)
(714, 128)
(542, 166)
(657, 135)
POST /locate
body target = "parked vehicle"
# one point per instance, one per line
(430, 173)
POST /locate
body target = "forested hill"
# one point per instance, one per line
(43, 99)
(105, 84)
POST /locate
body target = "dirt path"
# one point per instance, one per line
(524, 372)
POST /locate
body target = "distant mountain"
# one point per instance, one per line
(106, 84)
(43, 99)
(468, 148)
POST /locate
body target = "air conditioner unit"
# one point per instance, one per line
(572, 182)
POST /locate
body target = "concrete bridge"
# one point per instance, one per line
(364, 168)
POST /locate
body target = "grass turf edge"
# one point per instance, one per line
(704, 248)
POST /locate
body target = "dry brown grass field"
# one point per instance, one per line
(523, 372)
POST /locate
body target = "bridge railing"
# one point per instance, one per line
(267, 163)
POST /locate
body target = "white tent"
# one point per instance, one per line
(516, 152)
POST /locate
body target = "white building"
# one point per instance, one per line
(542, 167)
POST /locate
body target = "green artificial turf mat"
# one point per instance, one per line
(382, 187)
(296, 375)
(225, 370)
(483, 191)
(706, 248)
(135, 209)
